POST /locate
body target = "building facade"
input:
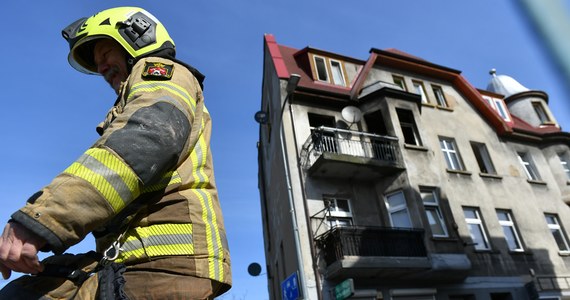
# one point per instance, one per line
(394, 178)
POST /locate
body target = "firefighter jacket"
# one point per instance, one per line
(153, 158)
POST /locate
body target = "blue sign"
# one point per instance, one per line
(290, 287)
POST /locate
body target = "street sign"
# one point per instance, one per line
(290, 287)
(344, 290)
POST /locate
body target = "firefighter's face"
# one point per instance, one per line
(111, 61)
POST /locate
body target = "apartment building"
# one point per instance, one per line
(395, 178)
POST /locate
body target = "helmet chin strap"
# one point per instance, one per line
(130, 63)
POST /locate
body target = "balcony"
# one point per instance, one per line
(339, 153)
(378, 252)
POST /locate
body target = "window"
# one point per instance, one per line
(323, 140)
(452, 157)
(339, 212)
(337, 73)
(528, 166)
(321, 67)
(420, 90)
(398, 210)
(564, 163)
(399, 81)
(541, 113)
(476, 229)
(436, 222)
(499, 106)
(501, 296)
(483, 158)
(557, 232)
(409, 128)
(510, 231)
(439, 97)
(329, 70)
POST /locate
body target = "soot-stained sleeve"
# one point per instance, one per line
(152, 140)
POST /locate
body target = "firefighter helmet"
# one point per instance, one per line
(135, 29)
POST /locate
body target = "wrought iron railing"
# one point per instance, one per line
(371, 241)
(348, 142)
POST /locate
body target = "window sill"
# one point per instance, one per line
(524, 252)
(537, 182)
(429, 105)
(460, 172)
(564, 253)
(487, 175)
(443, 239)
(416, 147)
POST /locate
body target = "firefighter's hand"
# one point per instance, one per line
(19, 250)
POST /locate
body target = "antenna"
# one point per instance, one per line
(351, 114)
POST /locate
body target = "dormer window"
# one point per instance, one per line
(329, 70)
(541, 113)
(499, 106)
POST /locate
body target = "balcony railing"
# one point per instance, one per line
(340, 242)
(348, 142)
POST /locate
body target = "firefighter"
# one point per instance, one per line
(145, 189)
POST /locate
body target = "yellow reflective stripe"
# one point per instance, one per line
(213, 238)
(153, 86)
(114, 179)
(198, 156)
(158, 240)
(170, 178)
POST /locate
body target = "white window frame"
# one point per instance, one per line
(450, 151)
(528, 166)
(337, 217)
(342, 79)
(483, 158)
(565, 163)
(439, 96)
(430, 199)
(420, 89)
(398, 208)
(498, 105)
(508, 225)
(553, 223)
(477, 221)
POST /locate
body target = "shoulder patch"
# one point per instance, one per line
(156, 70)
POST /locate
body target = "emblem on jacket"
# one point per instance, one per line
(157, 70)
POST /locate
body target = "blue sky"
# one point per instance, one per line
(49, 110)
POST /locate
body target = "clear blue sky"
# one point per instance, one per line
(49, 110)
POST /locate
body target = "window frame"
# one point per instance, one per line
(541, 113)
(419, 85)
(439, 96)
(336, 217)
(340, 69)
(528, 166)
(498, 105)
(401, 80)
(324, 64)
(510, 225)
(449, 152)
(483, 158)
(558, 227)
(411, 127)
(397, 209)
(478, 222)
(316, 65)
(437, 209)
(565, 163)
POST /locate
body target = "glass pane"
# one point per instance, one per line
(321, 69)
(342, 205)
(470, 213)
(401, 219)
(477, 237)
(396, 200)
(337, 73)
(562, 245)
(550, 220)
(435, 221)
(503, 216)
(428, 198)
(511, 238)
